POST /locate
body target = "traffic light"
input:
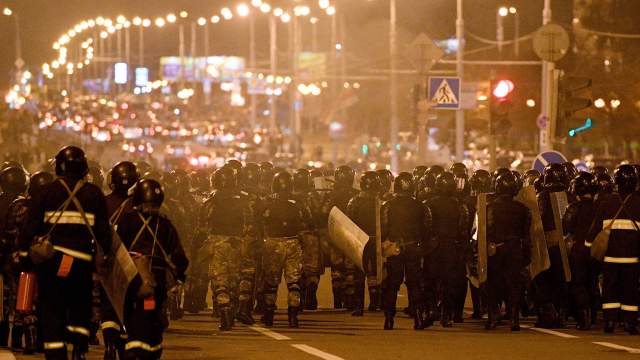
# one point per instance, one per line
(572, 97)
(500, 107)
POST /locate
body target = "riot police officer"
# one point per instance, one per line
(447, 248)
(230, 219)
(621, 214)
(403, 231)
(310, 241)
(552, 293)
(480, 183)
(70, 216)
(284, 220)
(463, 191)
(508, 223)
(576, 222)
(386, 181)
(124, 175)
(362, 211)
(340, 196)
(155, 246)
(24, 321)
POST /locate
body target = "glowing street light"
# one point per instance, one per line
(184, 14)
(160, 22)
(513, 10)
(285, 18)
(265, 8)
(137, 21)
(7, 12)
(615, 103)
(226, 13)
(202, 21)
(503, 11)
(215, 19)
(243, 10)
(278, 12)
(121, 19)
(324, 4)
(599, 103)
(146, 22)
(256, 3)
(331, 11)
(171, 18)
(531, 103)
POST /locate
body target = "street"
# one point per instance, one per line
(335, 335)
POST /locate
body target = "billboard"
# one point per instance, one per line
(217, 68)
(120, 73)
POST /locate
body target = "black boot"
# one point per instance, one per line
(515, 319)
(226, 318)
(311, 298)
(609, 327)
(30, 340)
(428, 319)
(491, 320)
(388, 321)
(418, 322)
(4, 334)
(630, 328)
(110, 350)
(584, 320)
(445, 317)
(267, 318)
(373, 301)
(16, 337)
(293, 317)
(244, 313)
(78, 354)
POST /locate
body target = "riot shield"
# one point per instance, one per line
(539, 253)
(482, 238)
(116, 275)
(559, 204)
(345, 235)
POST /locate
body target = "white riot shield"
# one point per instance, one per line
(345, 235)
(559, 203)
(539, 253)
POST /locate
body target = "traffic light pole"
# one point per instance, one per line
(460, 71)
(547, 90)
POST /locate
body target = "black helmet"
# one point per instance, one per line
(555, 176)
(282, 183)
(446, 184)
(496, 173)
(148, 193)
(605, 183)
(14, 180)
(626, 179)
(225, 178)
(38, 181)
(344, 176)
(584, 184)
(266, 178)
(200, 180)
(427, 183)
(302, 181)
(518, 177)
(386, 180)
(235, 165)
(418, 172)
(71, 162)
(265, 165)
(250, 176)
(403, 184)
(480, 182)
(570, 170)
(123, 176)
(597, 170)
(436, 170)
(370, 183)
(530, 176)
(459, 170)
(9, 163)
(507, 184)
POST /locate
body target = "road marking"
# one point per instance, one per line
(315, 352)
(618, 347)
(551, 332)
(272, 334)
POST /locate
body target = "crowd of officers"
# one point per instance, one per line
(241, 228)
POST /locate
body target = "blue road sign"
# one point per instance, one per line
(546, 158)
(444, 92)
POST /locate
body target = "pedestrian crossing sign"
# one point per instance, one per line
(444, 92)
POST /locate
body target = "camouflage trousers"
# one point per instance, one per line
(311, 258)
(282, 255)
(232, 268)
(334, 258)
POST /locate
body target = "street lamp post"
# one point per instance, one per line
(393, 88)
(18, 62)
(252, 64)
(273, 60)
(460, 70)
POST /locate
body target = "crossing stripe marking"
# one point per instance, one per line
(315, 352)
(551, 332)
(618, 347)
(272, 334)
(543, 160)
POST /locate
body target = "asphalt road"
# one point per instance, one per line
(335, 335)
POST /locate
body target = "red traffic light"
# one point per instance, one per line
(503, 88)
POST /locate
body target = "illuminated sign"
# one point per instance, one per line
(121, 71)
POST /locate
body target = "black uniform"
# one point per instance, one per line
(403, 224)
(145, 319)
(7, 264)
(577, 221)
(446, 252)
(508, 224)
(620, 269)
(65, 280)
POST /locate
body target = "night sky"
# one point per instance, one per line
(43, 21)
